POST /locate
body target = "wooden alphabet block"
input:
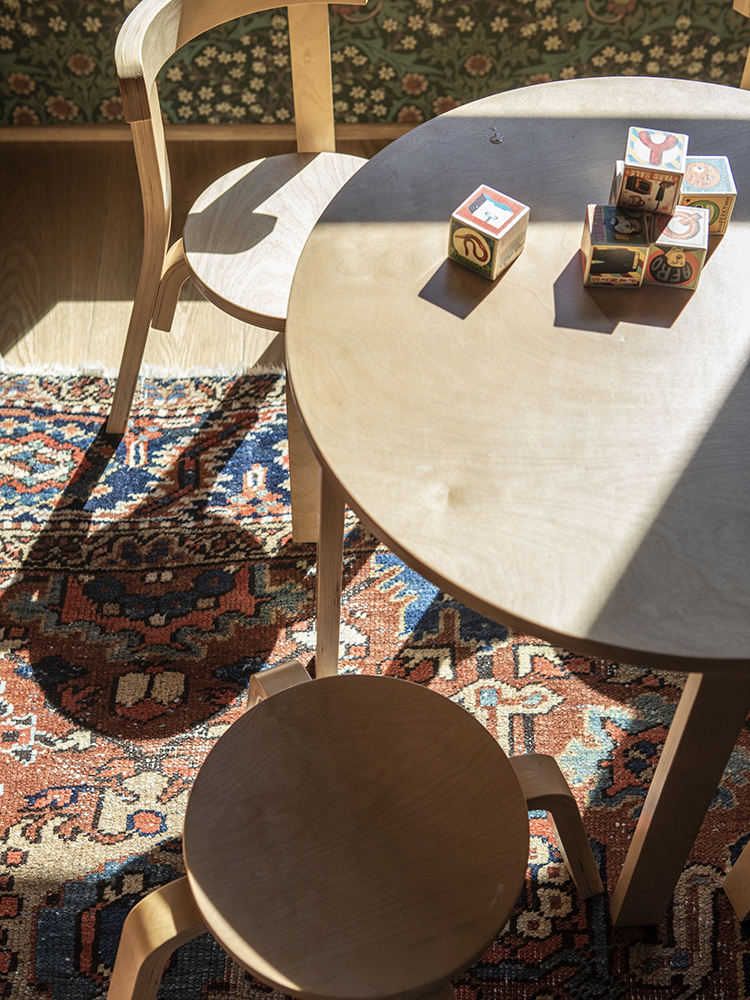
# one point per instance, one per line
(679, 247)
(650, 176)
(708, 183)
(488, 231)
(614, 246)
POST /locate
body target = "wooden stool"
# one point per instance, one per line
(352, 838)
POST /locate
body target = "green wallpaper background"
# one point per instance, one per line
(393, 60)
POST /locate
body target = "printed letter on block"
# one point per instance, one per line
(488, 231)
(708, 183)
(614, 246)
(679, 247)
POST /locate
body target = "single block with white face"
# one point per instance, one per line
(488, 231)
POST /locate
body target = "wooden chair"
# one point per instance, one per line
(244, 234)
(351, 838)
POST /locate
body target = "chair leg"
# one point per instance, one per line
(544, 787)
(304, 476)
(135, 344)
(270, 682)
(174, 274)
(154, 928)
(737, 885)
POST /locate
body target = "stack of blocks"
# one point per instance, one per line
(662, 206)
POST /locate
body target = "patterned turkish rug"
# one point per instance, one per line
(142, 585)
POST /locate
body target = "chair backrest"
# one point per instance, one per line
(156, 29)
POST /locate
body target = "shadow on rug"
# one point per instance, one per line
(143, 584)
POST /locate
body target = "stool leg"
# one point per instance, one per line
(544, 787)
(270, 682)
(737, 885)
(154, 928)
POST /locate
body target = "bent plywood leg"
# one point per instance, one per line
(132, 355)
(304, 476)
(704, 731)
(174, 274)
(544, 787)
(154, 928)
(270, 682)
(737, 885)
(330, 568)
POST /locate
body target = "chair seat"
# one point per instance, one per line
(357, 837)
(244, 234)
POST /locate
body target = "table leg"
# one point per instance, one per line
(304, 478)
(708, 720)
(330, 568)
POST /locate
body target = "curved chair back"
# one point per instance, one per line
(156, 29)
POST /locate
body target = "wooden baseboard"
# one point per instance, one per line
(192, 133)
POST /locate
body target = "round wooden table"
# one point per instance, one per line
(574, 462)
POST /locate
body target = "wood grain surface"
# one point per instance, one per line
(244, 234)
(73, 233)
(356, 837)
(573, 462)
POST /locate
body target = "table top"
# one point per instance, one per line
(574, 462)
(340, 841)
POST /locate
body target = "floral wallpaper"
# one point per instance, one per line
(393, 60)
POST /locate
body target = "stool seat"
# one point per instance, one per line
(356, 837)
(352, 838)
